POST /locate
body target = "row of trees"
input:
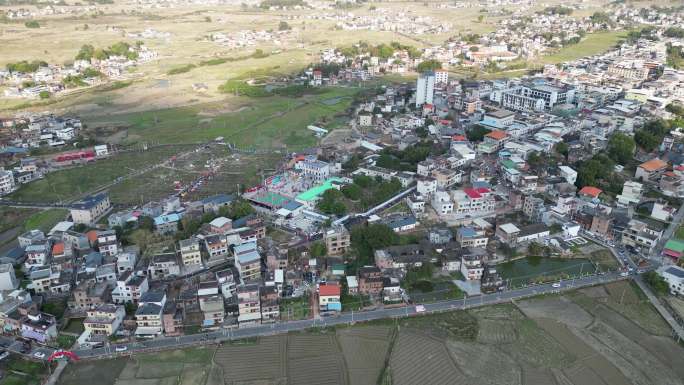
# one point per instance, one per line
(88, 51)
(382, 50)
(407, 159)
(26, 66)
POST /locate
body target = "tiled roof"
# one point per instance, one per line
(590, 191)
(497, 135)
(326, 290)
(653, 165)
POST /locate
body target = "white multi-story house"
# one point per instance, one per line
(8, 280)
(90, 209)
(37, 255)
(442, 203)
(190, 251)
(107, 243)
(129, 288)
(472, 267)
(313, 168)
(631, 193)
(674, 276)
(470, 237)
(148, 316)
(226, 281)
(641, 235)
(249, 305)
(426, 186)
(473, 201)
(125, 262)
(104, 319)
(6, 182)
(248, 261)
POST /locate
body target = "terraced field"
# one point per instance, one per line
(264, 360)
(420, 359)
(591, 336)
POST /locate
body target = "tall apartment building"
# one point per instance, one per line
(425, 88)
(441, 76)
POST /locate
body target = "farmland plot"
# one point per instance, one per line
(537, 348)
(314, 359)
(419, 359)
(598, 367)
(475, 361)
(537, 376)
(633, 359)
(264, 360)
(365, 351)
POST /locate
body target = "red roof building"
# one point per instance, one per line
(329, 290)
(590, 191)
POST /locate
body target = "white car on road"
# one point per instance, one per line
(556, 285)
(39, 355)
(120, 349)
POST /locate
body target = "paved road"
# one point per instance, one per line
(345, 318)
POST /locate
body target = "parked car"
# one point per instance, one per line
(4, 355)
(420, 309)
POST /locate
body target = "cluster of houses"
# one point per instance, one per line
(386, 20)
(250, 38)
(26, 169)
(36, 130)
(48, 79)
(483, 185)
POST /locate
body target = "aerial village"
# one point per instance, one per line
(441, 185)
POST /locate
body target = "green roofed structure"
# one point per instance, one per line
(269, 200)
(674, 248)
(315, 192)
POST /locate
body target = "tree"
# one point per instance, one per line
(146, 223)
(676, 109)
(330, 203)
(657, 283)
(646, 140)
(239, 208)
(352, 191)
(535, 248)
(366, 239)
(562, 148)
(429, 65)
(318, 249)
(621, 148)
(86, 52)
(477, 133)
(283, 26)
(44, 94)
(32, 24)
(674, 32)
(142, 238)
